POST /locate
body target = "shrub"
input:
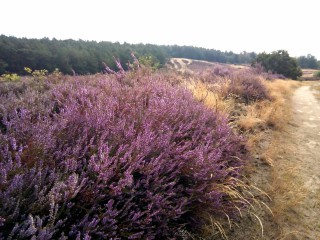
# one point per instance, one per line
(221, 71)
(279, 62)
(39, 74)
(149, 61)
(247, 86)
(103, 160)
(258, 69)
(10, 77)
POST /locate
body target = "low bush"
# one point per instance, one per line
(100, 159)
(10, 77)
(245, 85)
(248, 87)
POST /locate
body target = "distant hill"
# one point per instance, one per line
(87, 56)
(198, 66)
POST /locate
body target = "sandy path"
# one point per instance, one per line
(302, 220)
(181, 64)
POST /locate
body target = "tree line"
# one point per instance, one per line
(308, 61)
(86, 57)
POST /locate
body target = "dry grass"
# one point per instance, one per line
(255, 121)
(250, 122)
(309, 74)
(281, 88)
(316, 88)
(263, 123)
(212, 99)
(261, 116)
(318, 199)
(285, 190)
(281, 185)
(275, 113)
(287, 194)
(218, 228)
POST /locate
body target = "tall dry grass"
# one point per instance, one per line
(316, 89)
(284, 189)
(252, 118)
(258, 121)
(263, 122)
(211, 97)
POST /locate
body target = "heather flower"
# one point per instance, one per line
(99, 159)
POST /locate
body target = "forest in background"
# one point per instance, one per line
(87, 57)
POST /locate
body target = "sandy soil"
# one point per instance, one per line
(308, 74)
(185, 65)
(181, 64)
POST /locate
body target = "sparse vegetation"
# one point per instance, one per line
(317, 74)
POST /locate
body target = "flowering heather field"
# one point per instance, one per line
(120, 156)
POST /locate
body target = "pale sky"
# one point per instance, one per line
(232, 25)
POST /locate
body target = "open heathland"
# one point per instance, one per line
(141, 154)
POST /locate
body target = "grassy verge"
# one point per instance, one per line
(316, 88)
(282, 187)
(262, 123)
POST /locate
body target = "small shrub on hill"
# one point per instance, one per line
(247, 87)
(244, 85)
(221, 71)
(37, 74)
(10, 77)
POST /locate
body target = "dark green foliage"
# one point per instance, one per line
(308, 61)
(210, 55)
(279, 62)
(87, 56)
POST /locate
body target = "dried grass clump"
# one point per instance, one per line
(211, 96)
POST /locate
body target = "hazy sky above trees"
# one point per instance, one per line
(232, 25)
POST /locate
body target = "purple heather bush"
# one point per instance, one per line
(221, 71)
(246, 85)
(268, 75)
(97, 158)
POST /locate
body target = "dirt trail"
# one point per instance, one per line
(181, 64)
(301, 150)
